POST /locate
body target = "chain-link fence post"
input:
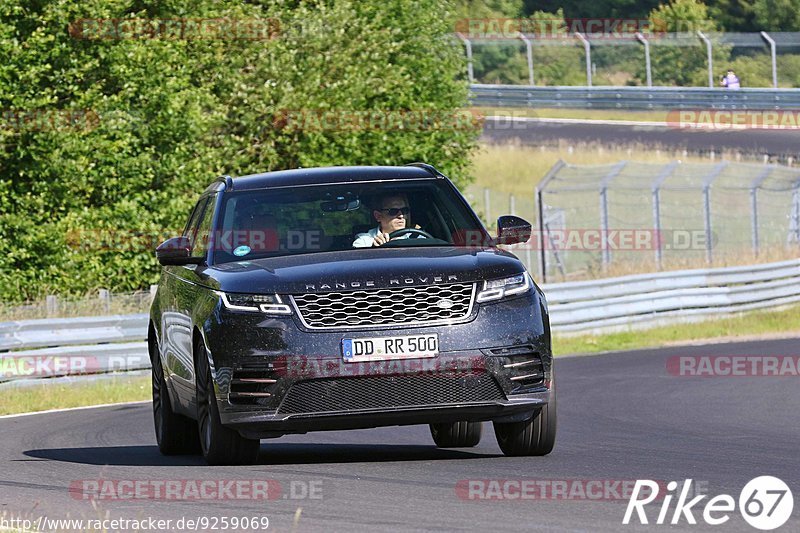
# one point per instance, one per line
(105, 299)
(587, 48)
(656, 191)
(710, 59)
(468, 46)
(51, 305)
(541, 237)
(771, 43)
(604, 211)
(529, 56)
(754, 219)
(646, 44)
(756, 183)
(604, 226)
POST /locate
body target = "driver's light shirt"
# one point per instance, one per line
(366, 240)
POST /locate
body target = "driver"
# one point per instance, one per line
(392, 214)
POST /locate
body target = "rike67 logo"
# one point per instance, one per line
(765, 503)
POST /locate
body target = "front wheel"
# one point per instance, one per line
(220, 445)
(175, 434)
(457, 434)
(535, 436)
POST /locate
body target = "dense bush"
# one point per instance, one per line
(80, 204)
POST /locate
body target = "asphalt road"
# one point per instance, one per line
(781, 143)
(621, 417)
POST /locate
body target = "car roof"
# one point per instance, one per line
(326, 175)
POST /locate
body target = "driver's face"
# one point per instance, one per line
(392, 223)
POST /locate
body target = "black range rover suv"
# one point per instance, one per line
(269, 321)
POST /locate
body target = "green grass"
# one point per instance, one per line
(49, 396)
(515, 169)
(740, 326)
(593, 114)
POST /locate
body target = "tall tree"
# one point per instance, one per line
(82, 202)
(777, 15)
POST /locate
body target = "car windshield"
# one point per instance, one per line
(302, 220)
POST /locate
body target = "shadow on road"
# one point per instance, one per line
(271, 454)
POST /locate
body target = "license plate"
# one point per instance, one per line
(382, 348)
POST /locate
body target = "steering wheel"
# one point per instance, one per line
(414, 232)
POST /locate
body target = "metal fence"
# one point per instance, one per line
(654, 216)
(104, 302)
(602, 51)
(491, 203)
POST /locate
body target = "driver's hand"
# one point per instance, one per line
(380, 238)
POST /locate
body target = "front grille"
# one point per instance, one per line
(429, 304)
(387, 392)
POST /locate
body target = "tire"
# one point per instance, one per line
(457, 434)
(220, 445)
(535, 436)
(175, 434)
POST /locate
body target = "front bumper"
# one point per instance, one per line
(265, 425)
(274, 377)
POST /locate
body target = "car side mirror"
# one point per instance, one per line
(176, 251)
(512, 230)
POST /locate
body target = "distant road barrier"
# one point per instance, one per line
(87, 345)
(72, 346)
(639, 98)
(668, 297)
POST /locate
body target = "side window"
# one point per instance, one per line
(194, 222)
(202, 241)
(191, 226)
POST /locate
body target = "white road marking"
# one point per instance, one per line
(73, 409)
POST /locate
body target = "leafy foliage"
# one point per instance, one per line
(82, 204)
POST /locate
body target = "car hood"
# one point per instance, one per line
(359, 269)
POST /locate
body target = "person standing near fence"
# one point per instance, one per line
(731, 80)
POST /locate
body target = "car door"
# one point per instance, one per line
(177, 322)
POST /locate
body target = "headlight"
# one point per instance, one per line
(495, 289)
(264, 303)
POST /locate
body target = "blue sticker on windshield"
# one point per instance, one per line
(241, 250)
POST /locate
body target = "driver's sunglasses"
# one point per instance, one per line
(394, 211)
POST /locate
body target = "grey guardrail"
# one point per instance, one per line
(633, 97)
(651, 299)
(72, 346)
(71, 331)
(95, 345)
